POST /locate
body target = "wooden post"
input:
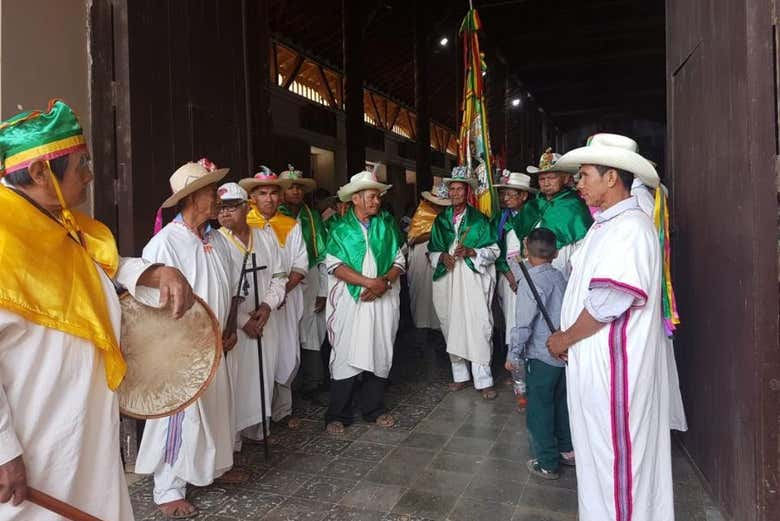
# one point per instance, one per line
(422, 99)
(352, 38)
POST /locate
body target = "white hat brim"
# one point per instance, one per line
(346, 192)
(517, 187)
(471, 182)
(428, 196)
(557, 168)
(208, 179)
(250, 183)
(614, 157)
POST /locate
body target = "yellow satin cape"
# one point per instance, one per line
(280, 223)
(50, 279)
(422, 220)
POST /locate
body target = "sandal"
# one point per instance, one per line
(233, 476)
(179, 509)
(489, 393)
(334, 428)
(385, 420)
(293, 422)
(457, 386)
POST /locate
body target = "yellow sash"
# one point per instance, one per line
(50, 279)
(280, 224)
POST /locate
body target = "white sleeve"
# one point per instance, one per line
(486, 257)
(433, 258)
(130, 270)
(300, 255)
(513, 246)
(332, 263)
(323, 276)
(9, 443)
(275, 293)
(400, 260)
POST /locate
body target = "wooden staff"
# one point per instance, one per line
(254, 269)
(58, 507)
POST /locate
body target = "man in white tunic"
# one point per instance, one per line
(463, 251)
(59, 325)
(419, 272)
(243, 362)
(364, 262)
(315, 284)
(282, 234)
(612, 332)
(196, 445)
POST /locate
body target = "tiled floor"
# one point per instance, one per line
(451, 456)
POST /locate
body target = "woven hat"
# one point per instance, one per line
(265, 177)
(549, 163)
(462, 174)
(35, 135)
(191, 177)
(232, 192)
(438, 195)
(361, 181)
(615, 151)
(516, 181)
(295, 177)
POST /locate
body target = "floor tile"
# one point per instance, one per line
(463, 445)
(552, 499)
(437, 426)
(373, 496)
(423, 504)
(343, 513)
(471, 430)
(281, 482)
(524, 513)
(325, 489)
(299, 509)
(469, 509)
(249, 505)
(503, 469)
(384, 436)
(347, 468)
(465, 463)
(367, 451)
(425, 440)
(305, 463)
(326, 446)
(441, 482)
(495, 490)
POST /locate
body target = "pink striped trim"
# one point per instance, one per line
(46, 157)
(619, 407)
(173, 440)
(640, 297)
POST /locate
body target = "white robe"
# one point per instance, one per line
(361, 333)
(420, 277)
(677, 420)
(58, 413)
(243, 362)
(507, 297)
(283, 327)
(617, 381)
(462, 299)
(201, 440)
(312, 327)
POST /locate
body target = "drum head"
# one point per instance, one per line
(170, 362)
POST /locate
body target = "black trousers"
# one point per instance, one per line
(367, 389)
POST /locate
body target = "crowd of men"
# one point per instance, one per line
(332, 280)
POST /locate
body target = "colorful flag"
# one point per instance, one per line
(474, 139)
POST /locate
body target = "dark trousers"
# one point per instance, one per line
(547, 414)
(311, 372)
(369, 393)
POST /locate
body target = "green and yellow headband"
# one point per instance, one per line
(36, 135)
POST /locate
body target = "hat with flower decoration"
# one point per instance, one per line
(265, 177)
(438, 195)
(549, 163)
(36, 135)
(362, 181)
(462, 174)
(295, 177)
(516, 181)
(191, 177)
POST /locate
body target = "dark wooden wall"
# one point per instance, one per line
(722, 163)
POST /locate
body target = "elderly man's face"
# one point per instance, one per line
(513, 199)
(550, 183)
(232, 215)
(458, 193)
(367, 202)
(294, 195)
(204, 201)
(592, 185)
(266, 198)
(76, 179)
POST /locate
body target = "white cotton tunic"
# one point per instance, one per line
(283, 327)
(57, 411)
(420, 277)
(312, 327)
(361, 333)
(201, 437)
(507, 297)
(617, 380)
(462, 299)
(243, 361)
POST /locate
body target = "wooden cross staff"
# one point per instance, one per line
(58, 507)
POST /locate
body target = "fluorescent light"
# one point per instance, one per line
(516, 102)
(444, 41)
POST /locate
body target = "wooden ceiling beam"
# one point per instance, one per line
(326, 86)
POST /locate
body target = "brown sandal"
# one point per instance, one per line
(233, 476)
(457, 386)
(385, 420)
(489, 393)
(179, 509)
(334, 428)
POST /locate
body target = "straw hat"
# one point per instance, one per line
(265, 177)
(295, 177)
(438, 195)
(549, 162)
(462, 174)
(361, 181)
(191, 177)
(516, 181)
(616, 151)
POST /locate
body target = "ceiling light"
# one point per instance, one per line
(444, 41)
(516, 102)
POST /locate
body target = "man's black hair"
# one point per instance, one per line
(627, 178)
(22, 177)
(541, 243)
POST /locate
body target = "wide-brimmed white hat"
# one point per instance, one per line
(191, 177)
(549, 163)
(231, 192)
(361, 181)
(438, 195)
(516, 181)
(615, 151)
(295, 177)
(265, 177)
(462, 174)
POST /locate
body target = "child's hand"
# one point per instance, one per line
(509, 366)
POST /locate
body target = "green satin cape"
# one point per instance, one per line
(475, 232)
(566, 215)
(314, 233)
